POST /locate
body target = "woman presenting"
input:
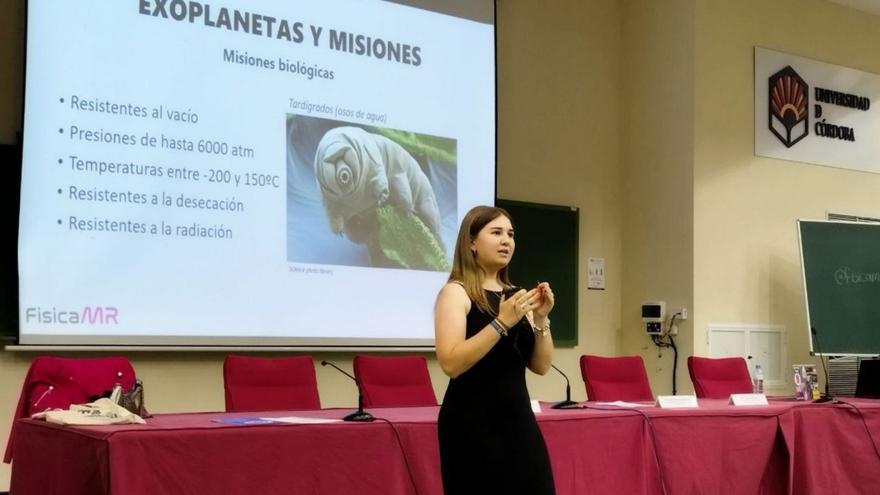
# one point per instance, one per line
(487, 332)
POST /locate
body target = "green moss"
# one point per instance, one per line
(406, 240)
(437, 148)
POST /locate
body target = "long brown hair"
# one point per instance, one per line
(465, 269)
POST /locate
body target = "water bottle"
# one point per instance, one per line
(759, 379)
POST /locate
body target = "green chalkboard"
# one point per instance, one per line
(547, 250)
(841, 267)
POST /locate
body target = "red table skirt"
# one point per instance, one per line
(786, 447)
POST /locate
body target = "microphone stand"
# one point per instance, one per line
(360, 415)
(567, 403)
(827, 397)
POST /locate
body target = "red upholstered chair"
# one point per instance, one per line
(54, 382)
(270, 384)
(394, 381)
(615, 378)
(718, 378)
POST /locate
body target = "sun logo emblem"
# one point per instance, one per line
(789, 118)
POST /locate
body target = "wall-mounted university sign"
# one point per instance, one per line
(814, 112)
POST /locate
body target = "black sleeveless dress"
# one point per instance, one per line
(489, 439)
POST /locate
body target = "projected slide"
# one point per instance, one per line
(278, 172)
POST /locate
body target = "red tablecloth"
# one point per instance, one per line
(786, 447)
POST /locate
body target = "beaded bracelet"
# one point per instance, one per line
(543, 330)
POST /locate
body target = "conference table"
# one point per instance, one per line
(787, 447)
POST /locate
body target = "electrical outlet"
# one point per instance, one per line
(673, 330)
(684, 314)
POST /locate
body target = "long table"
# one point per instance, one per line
(784, 448)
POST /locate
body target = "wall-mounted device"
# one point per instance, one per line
(653, 315)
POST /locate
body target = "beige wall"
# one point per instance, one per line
(559, 68)
(706, 223)
(558, 71)
(746, 258)
(657, 163)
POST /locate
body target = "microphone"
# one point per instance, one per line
(567, 403)
(827, 397)
(360, 415)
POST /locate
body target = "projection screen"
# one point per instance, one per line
(274, 173)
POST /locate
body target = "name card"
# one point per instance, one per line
(536, 406)
(748, 399)
(676, 401)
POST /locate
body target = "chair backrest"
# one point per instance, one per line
(270, 384)
(54, 382)
(394, 381)
(868, 382)
(718, 378)
(615, 378)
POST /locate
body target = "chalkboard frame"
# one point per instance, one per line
(531, 256)
(825, 341)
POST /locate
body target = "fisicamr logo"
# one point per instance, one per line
(88, 315)
(788, 106)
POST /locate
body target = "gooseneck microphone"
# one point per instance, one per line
(360, 415)
(567, 403)
(827, 397)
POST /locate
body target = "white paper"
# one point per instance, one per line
(620, 403)
(596, 273)
(300, 420)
